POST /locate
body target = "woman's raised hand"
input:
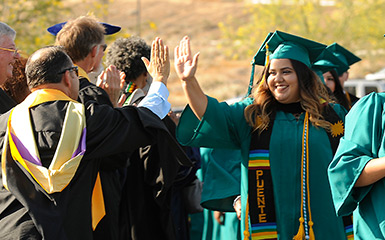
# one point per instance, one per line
(185, 63)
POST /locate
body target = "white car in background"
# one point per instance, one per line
(362, 87)
(380, 75)
(373, 82)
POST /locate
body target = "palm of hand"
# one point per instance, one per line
(184, 67)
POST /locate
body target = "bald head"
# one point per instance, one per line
(45, 66)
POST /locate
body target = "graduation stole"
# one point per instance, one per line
(262, 210)
(69, 152)
(131, 87)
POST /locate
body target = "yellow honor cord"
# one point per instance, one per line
(302, 232)
(246, 233)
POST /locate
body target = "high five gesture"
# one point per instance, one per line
(186, 66)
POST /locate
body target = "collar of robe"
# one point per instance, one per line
(294, 108)
(83, 73)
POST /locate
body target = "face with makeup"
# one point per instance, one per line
(283, 81)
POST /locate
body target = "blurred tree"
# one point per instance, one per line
(30, 19)
(355, 24)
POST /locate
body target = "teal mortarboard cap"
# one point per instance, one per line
(344, 55)
(327, 61)
(284, 45)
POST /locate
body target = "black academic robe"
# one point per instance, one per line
(6, 102)
(89, 91)
(145, 210)
(67, 214)
(151, 194)
(19, 220)
(111, 178)
(137, 194)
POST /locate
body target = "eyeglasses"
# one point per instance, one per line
(74, 68)
(104, 46)
(15, 51)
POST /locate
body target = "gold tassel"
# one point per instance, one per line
(246, 233)
(266, 64)
(311, 232)
(301, 231)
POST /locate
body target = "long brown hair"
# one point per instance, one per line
(313, 95)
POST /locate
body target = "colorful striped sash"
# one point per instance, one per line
(261, 197)
(348, 223)
(69, 152)
(262, 214)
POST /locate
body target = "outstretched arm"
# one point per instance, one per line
(373, 171)
(159, 69)
(186, 66)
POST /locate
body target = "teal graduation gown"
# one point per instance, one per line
(221, 175)
(224, 126)
(363, 140)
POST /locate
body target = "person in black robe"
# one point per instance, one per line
(147, 203)
(28, 211)
(84, 40)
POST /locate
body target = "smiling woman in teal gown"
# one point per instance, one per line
(287, 132)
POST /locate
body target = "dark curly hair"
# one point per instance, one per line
(126, 54)
(16, 86)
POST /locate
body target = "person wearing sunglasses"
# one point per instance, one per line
(56, 147)
(8, 55)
